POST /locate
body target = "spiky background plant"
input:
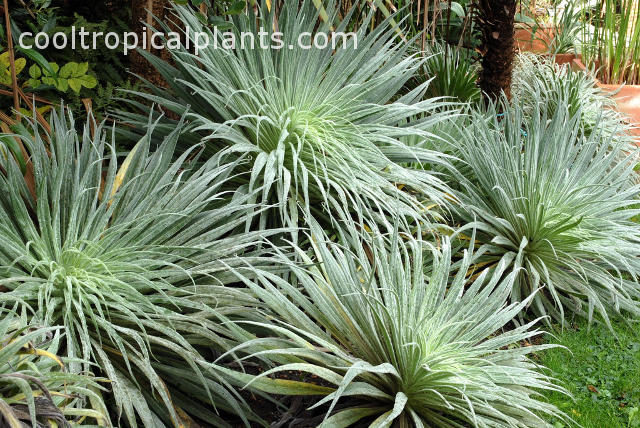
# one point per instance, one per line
(451, 73)
(611, 40)
(404, 344)
(554, 202)
(566, 23)
(35, 388)
(541, 81)
(131, 258)
(323, 127)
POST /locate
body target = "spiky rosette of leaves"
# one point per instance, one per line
(544, 82)
(452, 73)
(404, 343)
(323, 126)
(131, 258)
(555, 201)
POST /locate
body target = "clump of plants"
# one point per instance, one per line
(312, 237)
(404, 342)
(130, 257)
(551, 86)
(555, 202)
(323, 128)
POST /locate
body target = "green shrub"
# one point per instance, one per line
(131, 259)
(323, 128)
(404, 344)
(555, 202)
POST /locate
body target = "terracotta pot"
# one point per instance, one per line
(567, 58)
(627, 98)
(536, 43)
(628, 101)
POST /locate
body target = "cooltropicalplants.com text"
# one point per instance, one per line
(80, 38)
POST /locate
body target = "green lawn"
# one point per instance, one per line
(602, 373)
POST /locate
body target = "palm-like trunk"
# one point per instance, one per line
(496, 19)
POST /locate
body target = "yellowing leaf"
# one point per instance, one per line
(8, 415)
(43, 353)
(96, 405)
(117, 182)
(20, 64)
(4, 59)
(285, 386)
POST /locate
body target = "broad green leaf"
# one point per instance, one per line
(39, 59)
(34, 71)
(237, 7)
(75, 84)
(33, 83)
(68, 70)
(55, 68)
(81, 69)
(87, 81)
(61, 84)
(457, 9)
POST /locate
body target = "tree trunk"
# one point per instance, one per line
(496, 23)
(144, 14)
